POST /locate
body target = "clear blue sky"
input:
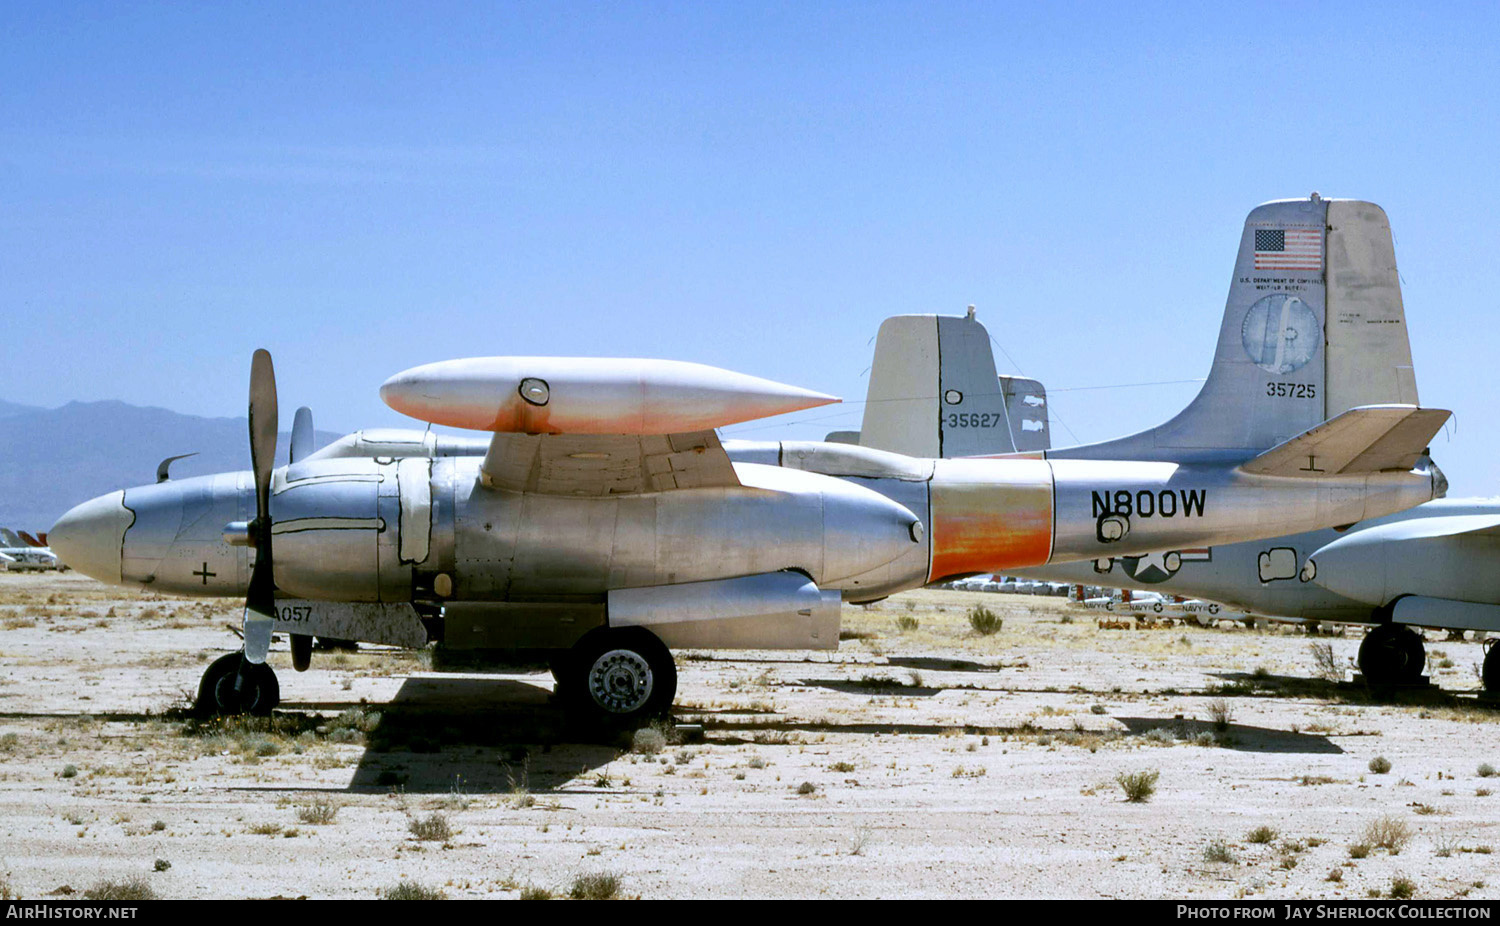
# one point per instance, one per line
(364, 187)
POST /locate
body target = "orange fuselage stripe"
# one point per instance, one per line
(990, 515)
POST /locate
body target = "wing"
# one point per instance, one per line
(606, 464)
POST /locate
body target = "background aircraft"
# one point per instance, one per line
(26, 554)
(606, 522)
(1429, 566)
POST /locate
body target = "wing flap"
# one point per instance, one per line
(1368, 439)
(606, 464)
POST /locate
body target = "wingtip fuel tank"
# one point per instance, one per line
(588, 395)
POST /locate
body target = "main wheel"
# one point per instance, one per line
(216, 695)
(619, 676)
(1490, 672)
(1392, 654)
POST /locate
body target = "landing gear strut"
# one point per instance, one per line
(1392, 654)
(618, 676)
(1489, 673)
(259, 694)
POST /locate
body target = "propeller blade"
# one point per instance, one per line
(260, 602)
(262, 429)
(302, 435)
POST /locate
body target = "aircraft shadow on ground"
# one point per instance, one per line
(1266, 685)
(874, 687)
(478, 736)
(936, 664)
(1236, 736)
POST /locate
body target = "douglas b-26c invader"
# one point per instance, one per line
(604, 521)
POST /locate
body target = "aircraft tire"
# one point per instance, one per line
(619, 677)
(1489, 673)
(1392, 654)
(216, 696)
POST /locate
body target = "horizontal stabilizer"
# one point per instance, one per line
(1368, 439)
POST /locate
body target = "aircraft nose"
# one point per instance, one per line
(91, 536)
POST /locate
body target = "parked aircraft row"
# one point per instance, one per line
(604, 521)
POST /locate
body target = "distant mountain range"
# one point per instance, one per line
(52, 459)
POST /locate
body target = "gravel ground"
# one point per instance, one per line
(920, 760)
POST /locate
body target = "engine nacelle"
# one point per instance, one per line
(351, 529)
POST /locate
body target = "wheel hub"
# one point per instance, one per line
(620, 681)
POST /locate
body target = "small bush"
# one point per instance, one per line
(129, 889)
(806, 788)
(69, 771)
(1486, 770)
(1359, 850)
(1221, 714)
(598, 886)
(1326, 663)
(1380, 765)
(907, 624)
(411, 890)
(160, 864)
(1402, 888)
(1261, 836)
(1138, 786)
(532, 892)
(648, 741)
(320, 812)
(1390, 833)
(433, 828)
(1218, 851)
(984, 621)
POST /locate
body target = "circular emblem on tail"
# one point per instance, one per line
(1281, 333)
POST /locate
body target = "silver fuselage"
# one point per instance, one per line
(421, 527)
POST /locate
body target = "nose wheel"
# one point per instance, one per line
(1392, 654)
(232, 686)
(618, 676)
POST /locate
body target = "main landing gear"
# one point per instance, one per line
(1393, 654)
(258, 693)
(618, 676)
(1489, 673)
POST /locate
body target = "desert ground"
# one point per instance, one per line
(922, 759)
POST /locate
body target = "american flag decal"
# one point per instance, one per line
(1288, 249)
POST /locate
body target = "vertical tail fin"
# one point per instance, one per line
(934, 393)
(1314, 326)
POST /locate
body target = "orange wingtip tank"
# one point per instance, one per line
(588, 395)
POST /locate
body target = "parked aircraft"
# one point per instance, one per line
(606, 521)
(1429, 566)
(25, 554)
